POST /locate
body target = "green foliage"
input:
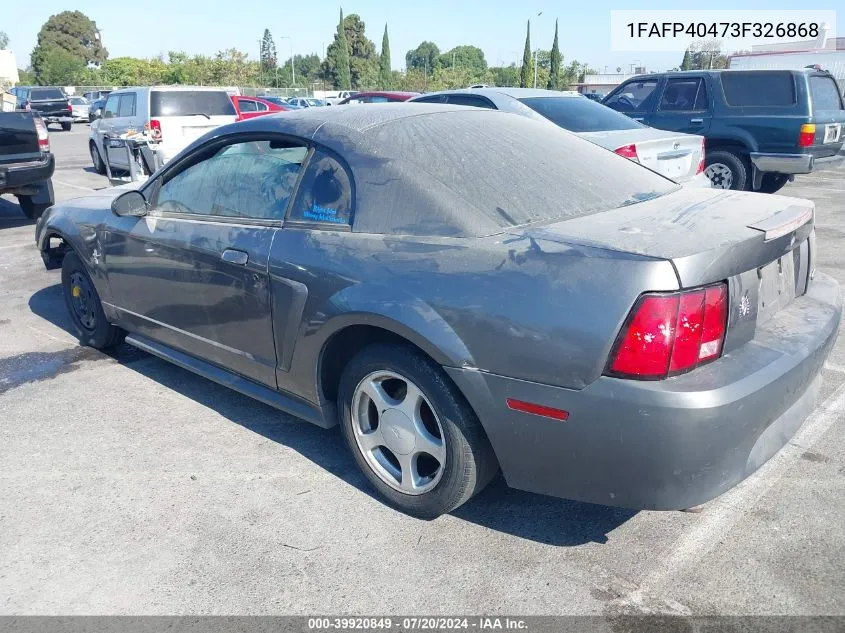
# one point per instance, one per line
(385, 76)
(706, 54)
(686, 64)
(554, 64)
(26, 77)
(268, 52)
(73, 33)
(59, 67)
(505, 76)
(425, 57)
(337, 67)
(526, 73)
(4, 40)
(467, 57)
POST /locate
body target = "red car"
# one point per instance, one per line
(379, 97)
(251, 107)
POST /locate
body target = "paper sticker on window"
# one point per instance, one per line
(323, 214)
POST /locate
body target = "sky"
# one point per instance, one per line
(206, 26)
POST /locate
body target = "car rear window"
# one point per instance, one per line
(188, 102)
(758, 88)
(478, 171)
(825, 95)
(578, 114)
(42, 94)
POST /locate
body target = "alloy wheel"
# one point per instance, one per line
(720, 176)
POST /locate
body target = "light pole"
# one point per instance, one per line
(292, 68)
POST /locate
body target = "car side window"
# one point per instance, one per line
(252, 179)
(378, 99)
(127, 105)
(684, 94)
(431, 99)
(110, 110)
(471, 100)
(633, 96)
(246, 105)
(325, 193)
(260, 107)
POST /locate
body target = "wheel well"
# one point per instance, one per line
(55, 248)
(715, 144)
(343, 345)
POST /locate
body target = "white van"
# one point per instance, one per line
(175, 115)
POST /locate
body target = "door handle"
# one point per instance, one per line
(697, 121)
(233, 256)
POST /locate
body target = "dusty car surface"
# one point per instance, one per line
(464, 290)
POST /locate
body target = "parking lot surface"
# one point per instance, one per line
(130, 486)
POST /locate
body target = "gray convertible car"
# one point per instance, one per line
(465, 290)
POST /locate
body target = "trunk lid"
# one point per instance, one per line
(708, 235)
(673, 155)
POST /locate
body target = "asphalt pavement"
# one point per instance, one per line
(130, 486)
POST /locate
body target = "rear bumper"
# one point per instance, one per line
(14, 176)
(670, 444)
(795, 163)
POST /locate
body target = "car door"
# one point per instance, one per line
(634, 98)
(193, 273)
(683, 106)
(120, 124)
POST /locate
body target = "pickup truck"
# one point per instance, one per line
(761, 127)
(26, 163)
(51, 103)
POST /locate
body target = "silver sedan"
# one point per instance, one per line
(80, 107)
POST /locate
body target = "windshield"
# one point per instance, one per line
(43, 94)
(578, 114)
(314, 102)
(190, 102)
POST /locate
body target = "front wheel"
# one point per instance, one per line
(411, 431)
(726, 169)
(86, 312)
(99, 165)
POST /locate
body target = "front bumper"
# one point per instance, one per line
(795, 163)
(15, 176)
(670, 444)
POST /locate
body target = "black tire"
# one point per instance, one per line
(97, 332)
(67, 126)
(735, 163)
(772, 183)
(31, 209)
(470, 460)
(99, 165)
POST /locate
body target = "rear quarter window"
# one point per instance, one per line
(325, 195)
(824, 93)
(758, 88)
(190, 102)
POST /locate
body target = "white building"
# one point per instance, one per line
(8, 68)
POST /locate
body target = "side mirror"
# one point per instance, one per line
(130, 204)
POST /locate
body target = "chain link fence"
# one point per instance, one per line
(248, 91)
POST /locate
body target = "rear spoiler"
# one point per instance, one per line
(785, 221)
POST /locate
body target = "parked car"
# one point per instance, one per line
(251, 107)
(26, 163)
(80, 108)
(593, 96)
(334, 97)
(96, 95)
(676, 156)
(506, 295)
(306, 102)
(95, 110)
(761, 126)
(174, 115)
(384, 96)
(279, 101)
(51, 103)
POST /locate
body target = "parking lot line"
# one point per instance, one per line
(71, 185)
(723, 513)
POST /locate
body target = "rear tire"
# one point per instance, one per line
(99, 165)
(726, 169)
(772, 183)
(466, 461)
(67, 126)
(86, 311)
(32, 210)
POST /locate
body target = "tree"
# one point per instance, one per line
(4, 40)
(468, 57)
(268, 53)
(385, 77)
(72, 32)
(26, 77)
(707, 54)
(506, 76)
(425, 57)
(687, 63)
(554, 64)
(336, 68)
(59, 67)
(526, 74)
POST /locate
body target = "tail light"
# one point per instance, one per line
(69, 107)
(669, 334)
(807, 135)
(155, 130)
(628, 151)
(27, 106)
(701, 160)
(43, 135)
